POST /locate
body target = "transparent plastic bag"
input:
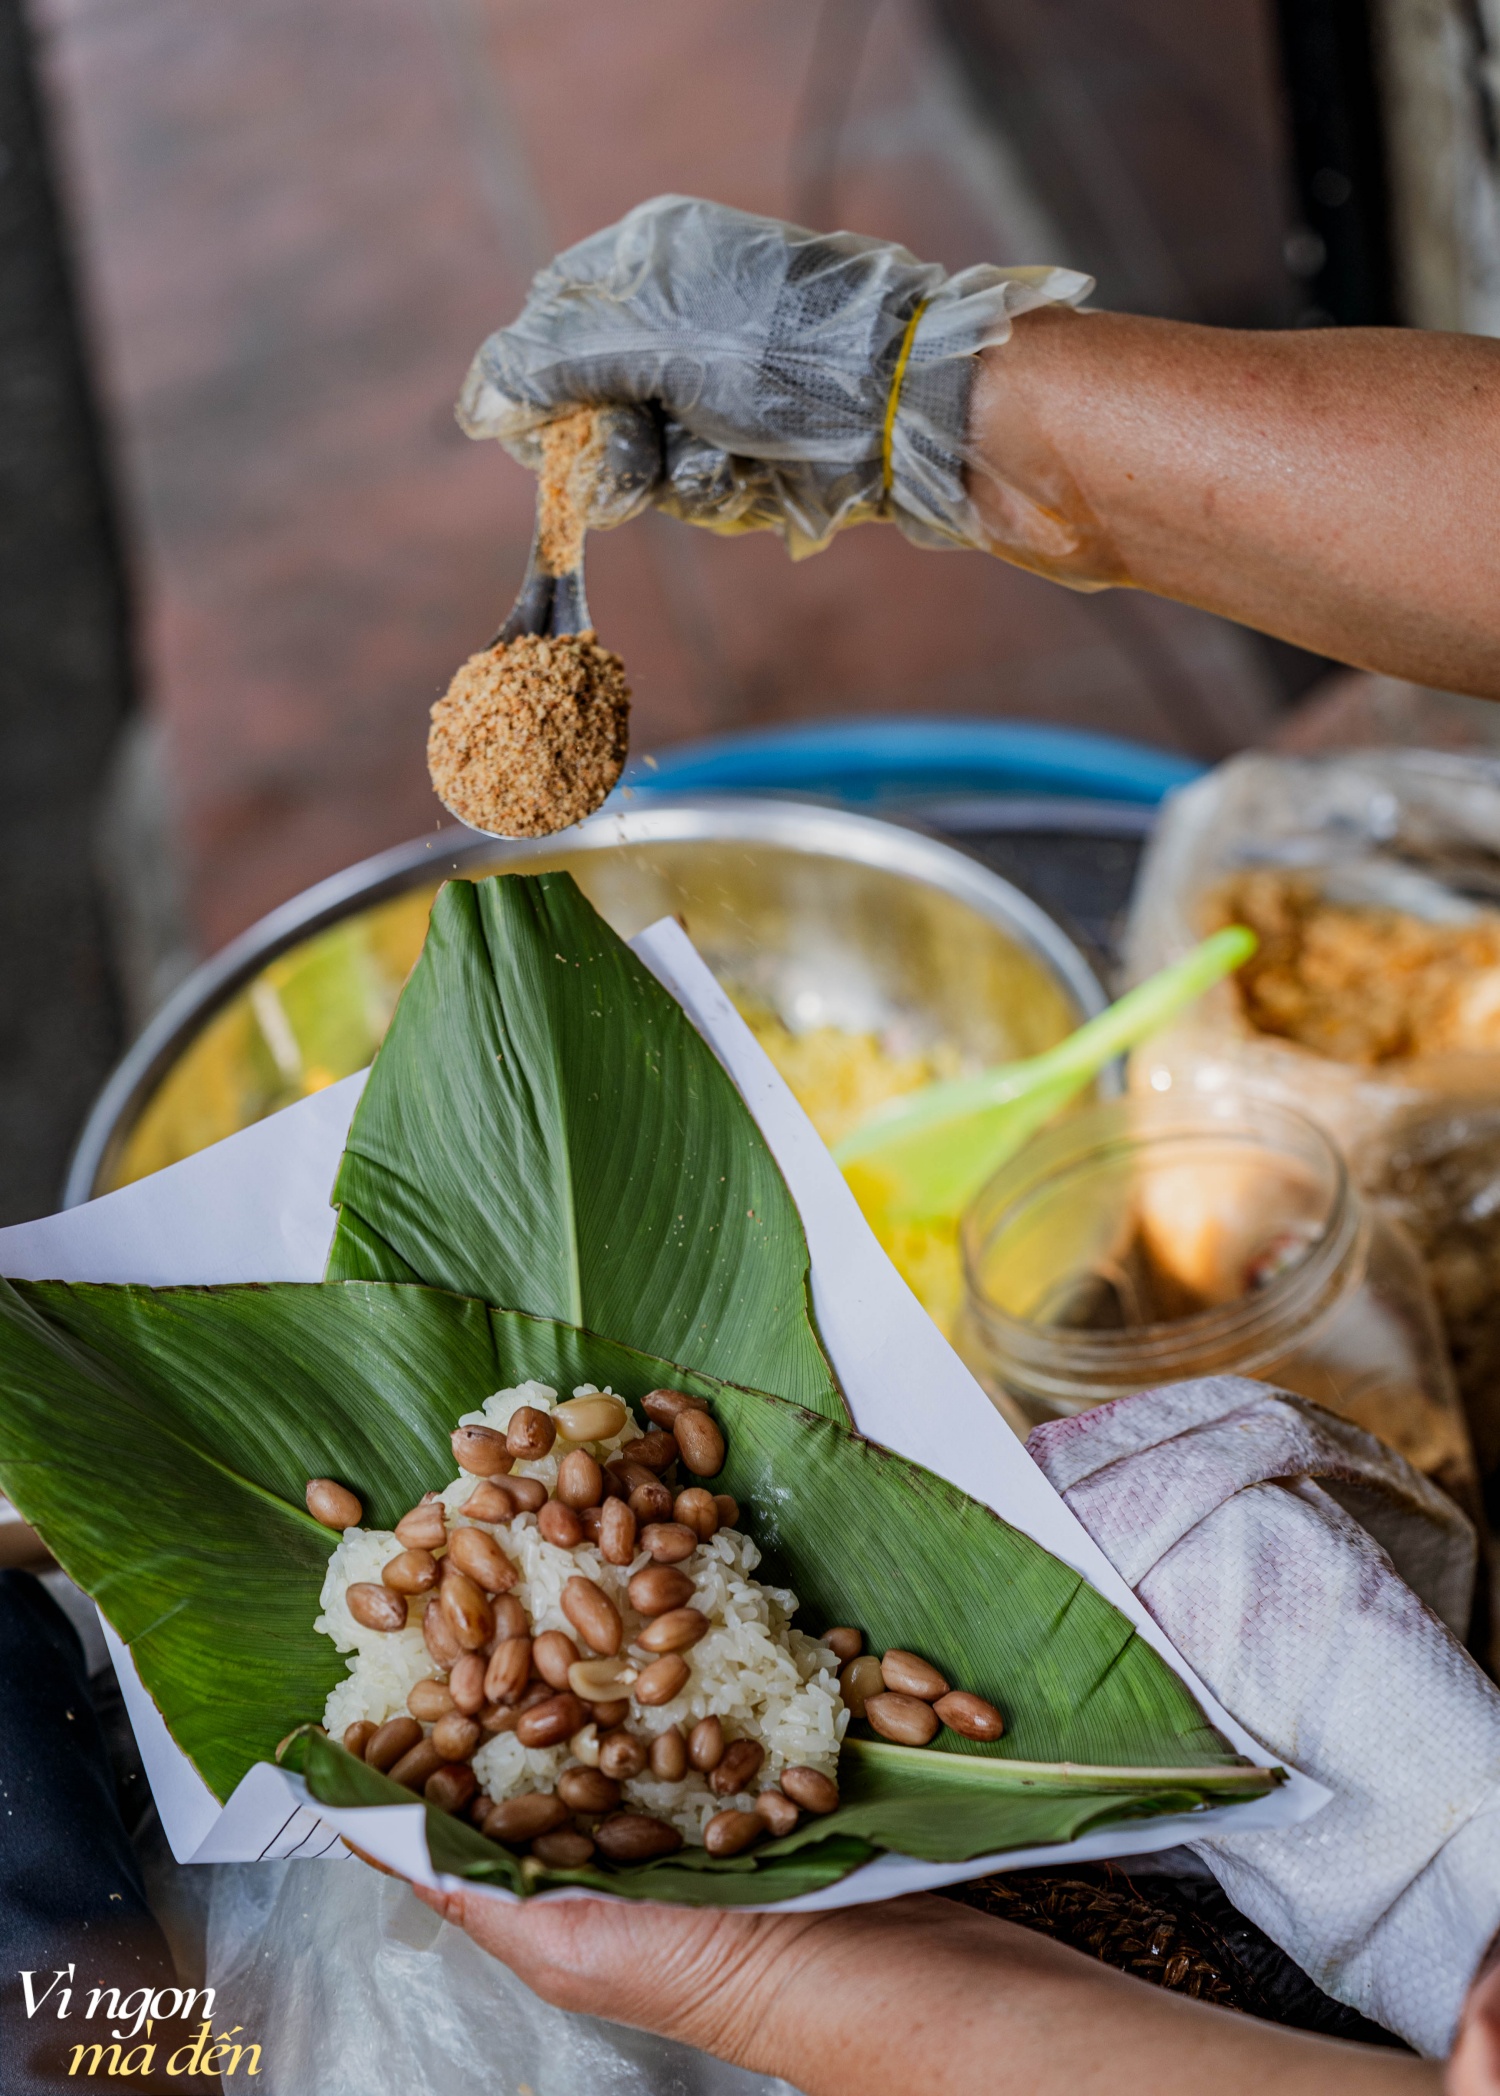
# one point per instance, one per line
(790, 381)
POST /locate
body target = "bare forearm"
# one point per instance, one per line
(1340, 488)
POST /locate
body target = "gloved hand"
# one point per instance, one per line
(780, 380)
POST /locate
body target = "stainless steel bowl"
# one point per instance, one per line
(823, 917)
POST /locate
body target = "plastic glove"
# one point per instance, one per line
(1310, 1576)
(781, 380)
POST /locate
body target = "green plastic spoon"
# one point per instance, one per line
(923, 1158)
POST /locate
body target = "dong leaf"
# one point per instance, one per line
(544, 1129)
(161, 1440)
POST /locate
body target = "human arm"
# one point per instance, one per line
(915, 1994)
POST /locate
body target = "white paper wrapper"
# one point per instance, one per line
(255, 1208)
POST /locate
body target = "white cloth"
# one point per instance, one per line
(1231, 1509)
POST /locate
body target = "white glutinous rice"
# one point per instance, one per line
(765, 1680)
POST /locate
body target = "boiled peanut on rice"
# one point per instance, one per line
(430, 1700)
(410, 1572)
(559, 1525)
(472, 1551)
(567, 1849)
(490, 1501)
(614, 1485)
(592, 1614)
(597, 1681)
(438, 1637)
(778, 1811)
(425, 1527)
(727, 1833)
(636, 1837)
(591, 1520)
(669, 1757)
(729, 1510)
(552, 1654)
(397, 1736)
(597, 1418)
(481, 1451)
(663, 1406)
(844, 1644)
(739, 1768)
(358, 1736)
(334, 1505)
(510, 1618)
(970, 1716)
(700, 1442)
(705, 1744)
(468, 1615)
(580, 1481)
(662, 1680)
(549, 1724)
(377, 1607)
(608, 1715)
(628, 1475)
(675, 1631)
(910, 1675)
(504, 1717)
(450, 1787)
(906, 1719)
(588, 1790)
(651, 1502)
(529, 1493)
(668, 1541)
(529, 1434)
(621, 1755)
(508, 1670)
(455, 1736)
(584, 1746)
(811, 1789)
(616, 1533)
(413, 1769)
(695, 1509)
(656, 1588)
(859, 1680)
(466, 1684)
(523, 1818)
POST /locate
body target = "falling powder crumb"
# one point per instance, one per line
(531, 735)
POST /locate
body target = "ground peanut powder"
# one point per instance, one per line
(531, 735)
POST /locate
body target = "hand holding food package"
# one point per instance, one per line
(783, 380)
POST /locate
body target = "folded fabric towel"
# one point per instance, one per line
(1319, 1586)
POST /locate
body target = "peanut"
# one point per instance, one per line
(559, 1525)
(490, 1502)
(414, 1767)
(467, 1613)
(700, 1442)
(466, 1684)
(663, 1406)
(706, 1744)
(608, 1715)
(675, 1631)
(662, 1680)
(450, 1787)
(509, 1670)
(481, 1451)
(584, 1746)
(810, 1789)
(621, 1755)
(729, 1510)
(668, 1542)
(523, 1818)
(656, 1588)
(430, 1700)
(778, 1812)
(616, 1533)
(549, 1724)
(411, 1572)
(377, 1607)
(591, 1521)
(859, 1680)
(358, 1736)
(669, 1758)
(695, 1509)
(510, 1618)
(397, 1736)
(529, 1493)
(592, 1614)
(553, 1653)
(656, 1449)
(530, 1434)
(334, 1505)
(565, 1849)
(909, 1675)
(727, 1833)
(906, 1719)
(597, 1418)
(580, 1481)
(635, 1837)
(472, 1551)
(651, 1502)
(739, 1768)
(455, 1736)
(597, 1681)
(425, 1527)
(844, 1644)
(588, 1790)
(970, 1716)
(627, 1475)
(438, 1637)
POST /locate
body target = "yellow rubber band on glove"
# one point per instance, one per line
(888, 433)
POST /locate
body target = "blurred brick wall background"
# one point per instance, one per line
(296, 223)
